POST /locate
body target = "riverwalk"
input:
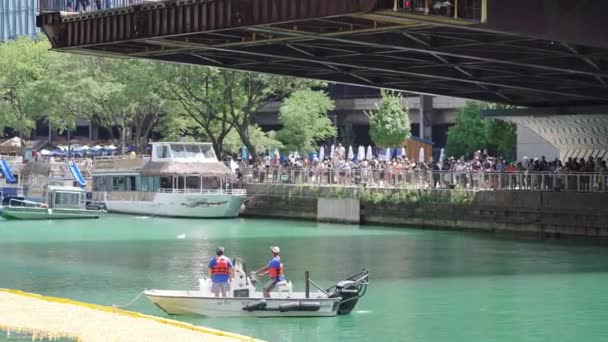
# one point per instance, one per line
(57, 318)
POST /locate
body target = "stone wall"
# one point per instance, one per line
(542, 213)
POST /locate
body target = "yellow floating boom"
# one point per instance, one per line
(53, 318)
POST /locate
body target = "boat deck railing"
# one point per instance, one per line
(236, 192)
(19, 203)
(148, 196)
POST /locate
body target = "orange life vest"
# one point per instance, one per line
(276, 272)
(221, 266)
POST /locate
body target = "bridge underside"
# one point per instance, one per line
(360, 42)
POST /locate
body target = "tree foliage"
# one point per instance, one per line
(135, 99)
(472, 132)
(304, 118)
(23, 63)
(261, 140)
(389, 122)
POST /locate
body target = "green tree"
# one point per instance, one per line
(223, 101)
(389, 122)
(501, 137)
(472, 132)
(246, 93)
(23, 62)
(469, 132)
(201, 95)
(304, 118)
(261, 140)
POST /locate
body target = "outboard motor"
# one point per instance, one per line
(350, 290)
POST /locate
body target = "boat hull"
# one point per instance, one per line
(23, 213)
(180, 205)
(189, 303)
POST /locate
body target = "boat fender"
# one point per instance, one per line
(257, 305)
(50, 211)
(297, 306)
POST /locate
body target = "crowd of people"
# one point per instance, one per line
(481, 171)
(82, 6)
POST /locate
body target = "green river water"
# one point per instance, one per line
(424, 286)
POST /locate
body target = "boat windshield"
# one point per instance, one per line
(67, 200)
(192, 151)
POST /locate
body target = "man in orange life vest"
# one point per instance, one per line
(220, 271)
(274, 270)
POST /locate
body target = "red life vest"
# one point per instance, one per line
(221, 266)
(276, 272)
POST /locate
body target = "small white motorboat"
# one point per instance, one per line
(243, 300)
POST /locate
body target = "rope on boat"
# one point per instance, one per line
(129, 303)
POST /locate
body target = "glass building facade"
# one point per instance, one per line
(17, 18)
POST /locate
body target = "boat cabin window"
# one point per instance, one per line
(187, 151)
(102, 183)
(211, 183)
(164, 152)
(166, 182)
(208, 151)
(179, 183)
(150, 184)
(178, 151)
(124, 183)
(66, 199)
(193, 182)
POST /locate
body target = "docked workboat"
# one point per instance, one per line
(62, 202)
(243, 300)
(177, 180)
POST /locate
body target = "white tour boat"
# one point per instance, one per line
(243, 299)
(178, 180)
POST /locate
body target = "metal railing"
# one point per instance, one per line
(85, 6)
(456, 9)
(236, 192)
(426, 179)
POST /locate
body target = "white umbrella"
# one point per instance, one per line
(421, 155)
(332, 151)
(351, 153)
(369, 155)
(322, 153)
(403, 154)
(233, 165)
(440, 162)
(296, 155)
(361, 153)
(387, 154)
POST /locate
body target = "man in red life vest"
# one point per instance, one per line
(274, 270)
(220, 271)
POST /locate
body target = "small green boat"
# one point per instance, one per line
(62, 203)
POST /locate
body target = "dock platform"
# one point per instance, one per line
(54, 318)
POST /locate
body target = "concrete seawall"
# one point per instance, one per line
(549, 214)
